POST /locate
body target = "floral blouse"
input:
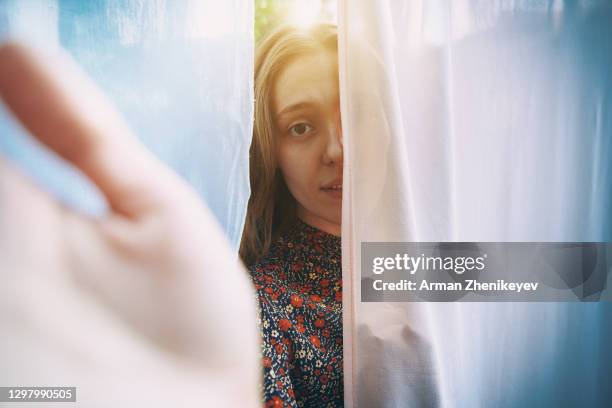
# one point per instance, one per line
(299, 285)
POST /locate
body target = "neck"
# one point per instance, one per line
(320, 223)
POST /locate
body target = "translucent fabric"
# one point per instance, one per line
(475, 121)
(181, 73)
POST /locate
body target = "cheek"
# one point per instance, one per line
(298, 169)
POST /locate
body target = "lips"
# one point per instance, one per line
(333, 185)
(333, 189)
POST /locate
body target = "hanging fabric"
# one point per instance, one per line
(475, 121)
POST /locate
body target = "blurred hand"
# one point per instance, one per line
(146, 306)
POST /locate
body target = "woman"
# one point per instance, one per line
(291, 240)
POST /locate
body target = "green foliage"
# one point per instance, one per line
(268, 13)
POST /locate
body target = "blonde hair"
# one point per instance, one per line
(271, 208)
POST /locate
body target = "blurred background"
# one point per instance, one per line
(270, 13)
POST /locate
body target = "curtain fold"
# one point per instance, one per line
(475, 121)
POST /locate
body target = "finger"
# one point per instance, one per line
(60, 106)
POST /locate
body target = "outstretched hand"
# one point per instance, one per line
(145, 306)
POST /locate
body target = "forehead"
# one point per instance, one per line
(311, 78)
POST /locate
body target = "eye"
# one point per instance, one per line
(300, 129)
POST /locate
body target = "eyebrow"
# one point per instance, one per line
(294, 107)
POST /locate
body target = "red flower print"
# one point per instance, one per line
(296, 301)
(275, 402)
(284, 324)
(300, 290)
(315, 341)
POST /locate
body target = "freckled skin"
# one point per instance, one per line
(308, 130)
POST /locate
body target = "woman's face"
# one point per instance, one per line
(307, 118)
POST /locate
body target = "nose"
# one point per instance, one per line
(333, 149)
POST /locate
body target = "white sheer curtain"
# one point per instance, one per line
(475, 121)
(181, 73)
